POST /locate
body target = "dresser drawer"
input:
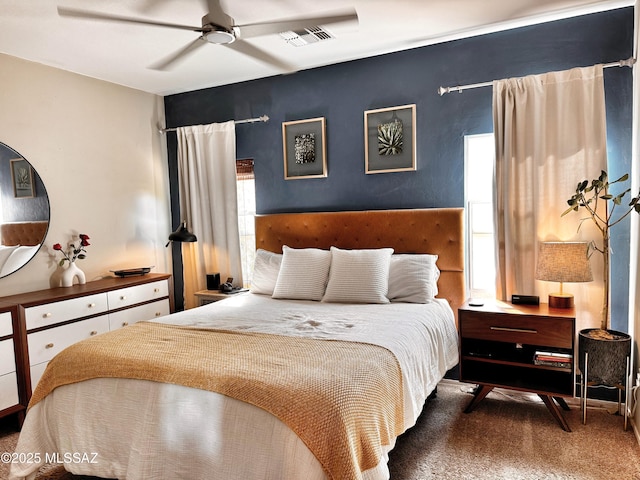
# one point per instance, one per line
(8, 391)
(56, 312)
(148, 311)
(7, 357)
(6, 326)
(36, 374)
(525, 329)
(44, 345)
(125, 297)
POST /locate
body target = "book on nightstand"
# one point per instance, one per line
(553, 359)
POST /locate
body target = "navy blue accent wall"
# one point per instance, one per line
(341, 93)
(25, 209)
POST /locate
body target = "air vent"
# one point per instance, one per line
(306, 36)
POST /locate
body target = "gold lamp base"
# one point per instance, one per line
(560, 300)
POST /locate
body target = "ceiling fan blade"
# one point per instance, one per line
(266, 28)
(76, 13)
(260, 55)
(181, 54)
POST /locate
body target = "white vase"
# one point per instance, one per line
(70, 274)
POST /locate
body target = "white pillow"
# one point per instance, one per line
(265, 271)
(18, 258)
(303, 273)
(5, 253)
(358, 276)
(413, 278)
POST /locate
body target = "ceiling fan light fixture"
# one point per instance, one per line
(219, 35)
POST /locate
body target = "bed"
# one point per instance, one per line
(19, 242)
(377, 359)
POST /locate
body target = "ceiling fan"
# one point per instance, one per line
(220, 29)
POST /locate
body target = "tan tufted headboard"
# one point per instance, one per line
(437, 231)
(23, 233)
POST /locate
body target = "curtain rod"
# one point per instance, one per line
(263, 118)
(442, 90)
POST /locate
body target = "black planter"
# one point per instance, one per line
(607, 363)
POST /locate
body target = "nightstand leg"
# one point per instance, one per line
(479, 394)
(563, 404)
(555, 411)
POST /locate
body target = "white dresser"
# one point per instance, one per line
(51, 320)
(9, 384)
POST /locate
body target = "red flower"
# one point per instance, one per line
(73, 252)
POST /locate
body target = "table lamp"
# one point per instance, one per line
(563, 262)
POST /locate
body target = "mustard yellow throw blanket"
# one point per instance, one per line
(343, 399)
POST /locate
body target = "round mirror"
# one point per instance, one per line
(24, 211)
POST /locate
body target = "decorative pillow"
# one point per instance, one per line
(265, 271)
(18, 258)
(413, 278)
(303, 273)
(358, 276)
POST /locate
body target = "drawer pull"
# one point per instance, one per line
(124, 324)
(93, 332)
(516, 330)
(123, 297)
(46, 315)
(91, 305)
(156, 290)
(158, 314)
(49, 345)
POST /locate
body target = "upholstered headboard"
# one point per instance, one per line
(437, 231)
(23, 233)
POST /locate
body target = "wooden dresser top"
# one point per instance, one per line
(64, 293)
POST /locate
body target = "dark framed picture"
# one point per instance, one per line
(390, 139)
(22, 178)
(305, 150)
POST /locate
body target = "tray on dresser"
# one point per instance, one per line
(130, 272)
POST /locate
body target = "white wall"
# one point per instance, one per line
(97, 149)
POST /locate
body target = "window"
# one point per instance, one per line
(478, 185)
(246, 216)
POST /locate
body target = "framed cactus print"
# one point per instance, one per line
(305, 150)
(390, 139)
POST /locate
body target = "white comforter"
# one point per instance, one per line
(133, 429)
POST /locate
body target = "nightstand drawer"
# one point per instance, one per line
(530, 330)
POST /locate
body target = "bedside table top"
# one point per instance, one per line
(218, 294)
(498, 306)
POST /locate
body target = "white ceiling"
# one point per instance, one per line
(122, 53)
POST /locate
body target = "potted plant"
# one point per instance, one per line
(608, 349)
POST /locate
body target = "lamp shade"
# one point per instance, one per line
(563, 262)
(181, 234)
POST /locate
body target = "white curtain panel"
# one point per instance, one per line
(208, 202)
(550, 133)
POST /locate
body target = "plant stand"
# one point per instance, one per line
(604, 362)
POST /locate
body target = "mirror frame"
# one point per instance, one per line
(29, 199)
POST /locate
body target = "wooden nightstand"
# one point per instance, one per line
(502, 345)
(204, 297)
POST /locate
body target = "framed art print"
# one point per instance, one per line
(22, 178)
(304, 148)
(390, 139)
